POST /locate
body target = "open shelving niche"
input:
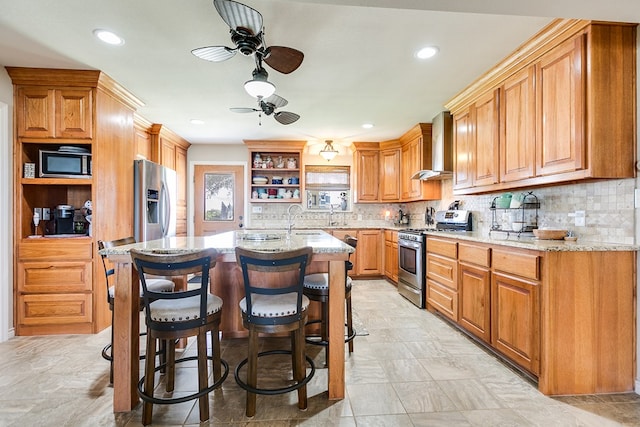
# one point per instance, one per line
(527, 212)
(269, 171)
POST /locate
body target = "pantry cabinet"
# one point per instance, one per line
(59, 281)
(511, 131)
(170, 150)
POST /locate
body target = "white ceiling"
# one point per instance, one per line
(358, 67)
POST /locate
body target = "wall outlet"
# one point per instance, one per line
(636, 197)
(580, 219)
(37, 211)
(256, 209)
(46, 214)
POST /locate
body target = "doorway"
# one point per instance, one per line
(219, 198)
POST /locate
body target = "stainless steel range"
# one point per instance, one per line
(412, 252)
(411, 262)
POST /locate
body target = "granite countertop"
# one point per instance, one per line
(225, 243)
(529, 242)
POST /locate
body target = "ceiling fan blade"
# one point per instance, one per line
(214, 53)
(243, 110)
(238, 15)
(276, 101)
(286, 117)
(283, 59)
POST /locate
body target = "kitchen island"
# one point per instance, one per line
(329, 255)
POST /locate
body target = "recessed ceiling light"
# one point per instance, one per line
(108, 37)
(426, 52)
(197, 122)
(367, 125)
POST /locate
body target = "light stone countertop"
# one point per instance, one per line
(225, 243)
(528, 242)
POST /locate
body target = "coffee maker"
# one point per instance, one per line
(63, 219)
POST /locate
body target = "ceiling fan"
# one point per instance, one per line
(247, 33)
(268, 107)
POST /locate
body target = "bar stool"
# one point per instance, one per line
(274, 303)
(316, 288)
(158, 285)
(181, 314)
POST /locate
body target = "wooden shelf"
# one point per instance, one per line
(56, 181)
(276, 200)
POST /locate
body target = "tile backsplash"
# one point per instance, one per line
(609, 208)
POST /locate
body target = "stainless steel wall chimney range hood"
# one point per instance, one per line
(441, 150)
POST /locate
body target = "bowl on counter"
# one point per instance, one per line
(549, 233)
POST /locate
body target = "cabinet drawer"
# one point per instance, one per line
(56, 249)
(54, 277)
(391, 236)
(443, 299)
(37, 310)
(443, 247)
(474, 254)
(443, 270)
(525, 264)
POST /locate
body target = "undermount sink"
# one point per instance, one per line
(260, 237)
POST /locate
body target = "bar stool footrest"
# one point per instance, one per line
(317, 340)
(182, 399)
(274, 391)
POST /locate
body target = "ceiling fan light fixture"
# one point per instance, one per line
(259, 87)
(328, 152)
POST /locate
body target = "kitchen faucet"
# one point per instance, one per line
(290, 217)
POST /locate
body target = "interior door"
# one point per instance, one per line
(219, 198)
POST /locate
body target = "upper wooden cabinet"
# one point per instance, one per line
(44, 112)
(390, 171)
(415, 147)
(367, 164)
(518, 120)
(558, 109)
(485, 144)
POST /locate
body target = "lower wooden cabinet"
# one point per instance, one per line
(391, 255)
(54, 292)
(516, 320)
(566, 317)
(369, 253)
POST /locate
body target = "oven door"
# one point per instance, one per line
(410, 260)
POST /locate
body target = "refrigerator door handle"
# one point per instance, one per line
(166, 209)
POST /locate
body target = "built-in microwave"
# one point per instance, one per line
(64, 164)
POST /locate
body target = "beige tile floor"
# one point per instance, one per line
(411, 370)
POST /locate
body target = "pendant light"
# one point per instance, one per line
(259, 87)
(328, 152)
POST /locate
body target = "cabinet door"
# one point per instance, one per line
(391, 255)
(411, 155)
(486, 150)
(368, 176)
(369, 253)
(390, 176)
(560, 103)
(517, 133)
(181, 195)
(73, 113)
(516, 320)
(35, 112)
(474, 300)
(463, 154)
(167, 154)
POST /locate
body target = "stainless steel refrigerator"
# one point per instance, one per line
(155, 191)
